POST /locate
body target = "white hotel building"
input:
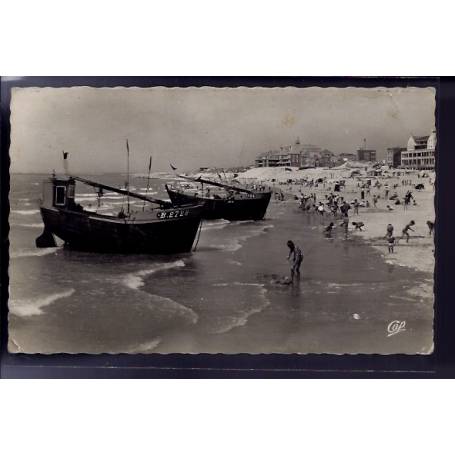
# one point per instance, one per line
(420, 152)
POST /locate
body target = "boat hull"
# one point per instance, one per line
(253, 208)
(97, 233)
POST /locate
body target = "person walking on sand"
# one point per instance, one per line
(321, 209)
(406, 230)
(295, 257)
(407, 199)
(356, 206)
(344, 209)
(386, 188)
(430, 225)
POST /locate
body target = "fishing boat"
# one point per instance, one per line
(160, 228)
(232, 203)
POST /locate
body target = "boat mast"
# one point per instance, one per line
(127, 176)
(148, 181)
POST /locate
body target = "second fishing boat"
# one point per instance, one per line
(231, 202)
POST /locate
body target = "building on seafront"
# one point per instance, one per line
(420, 152)
(297, 155)
(364, 154)
(394, 156)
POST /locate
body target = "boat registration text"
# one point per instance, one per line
(172, 214)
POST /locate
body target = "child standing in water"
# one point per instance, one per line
(345, 225)
(328, 229)
(389, 232)
(391, 242)
(295, 256)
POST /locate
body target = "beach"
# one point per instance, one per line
(225, 297)
(418, 253)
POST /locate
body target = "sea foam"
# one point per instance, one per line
(174, 308)
(211, 225)
(25, 212)
(144, 348)
(33, 307)
(136, 280)
(241, 318)
(28, 225)
(235, 243)
(32, 253)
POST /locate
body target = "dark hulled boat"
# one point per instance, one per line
(164, 228)
(235, 203)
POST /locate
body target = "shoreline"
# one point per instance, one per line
(224, 300)
(415, 253)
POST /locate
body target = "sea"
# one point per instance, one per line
(226, 296)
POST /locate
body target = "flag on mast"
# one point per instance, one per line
(65, 161)
(173, 167)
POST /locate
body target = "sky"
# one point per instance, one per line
(195, 127)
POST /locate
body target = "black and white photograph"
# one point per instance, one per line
(227, 226)
(222, 220)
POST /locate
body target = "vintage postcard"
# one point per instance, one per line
(222, 220)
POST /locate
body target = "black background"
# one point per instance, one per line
(440, 364)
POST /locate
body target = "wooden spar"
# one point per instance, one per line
(222, 185)
(124, 192)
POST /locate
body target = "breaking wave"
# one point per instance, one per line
(235, 244)
(218, 224)
(32, 253)
(26, 212)
(33, 307)
(174, 308)
(136, 280)
(28, 225)
(145, 348)
(233, 262)
(241, 318)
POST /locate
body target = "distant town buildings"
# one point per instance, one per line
(298, 155)
(364, 154)
(394, 156)
(347, 157)
(420, 152)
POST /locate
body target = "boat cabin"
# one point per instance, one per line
(59, 192)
